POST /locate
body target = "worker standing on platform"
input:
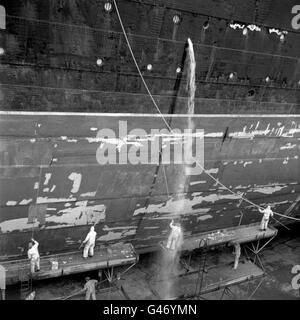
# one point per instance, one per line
(90, 288)
(34, 256)
(174, 237)
(237, 251)
(2, 281)
(89, 243)
(265, 220)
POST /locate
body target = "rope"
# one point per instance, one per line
(37, 195)
(138, 68)
(166, 180)
(170, 129)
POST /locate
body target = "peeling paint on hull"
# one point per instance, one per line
(75, 191)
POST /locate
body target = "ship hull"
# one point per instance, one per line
(73, 71)
(55, 184)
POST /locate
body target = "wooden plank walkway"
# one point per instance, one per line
(220, 276)
(120, 254)
(241, 234)
(70, 263)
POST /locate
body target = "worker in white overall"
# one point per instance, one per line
(31, 296)
(174, 237)
(90, 288)
(34, 256)
(237, 251)
(89, 243)
(265, 220)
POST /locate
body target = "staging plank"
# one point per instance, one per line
(217, 278)
(240, 234)
(70, 263)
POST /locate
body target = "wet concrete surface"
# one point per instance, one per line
(278, 259)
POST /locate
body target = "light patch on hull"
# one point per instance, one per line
(76, 178)
(25, 202)
(212, 171)
(290, 133)
(174, 215)
(247, 163)
(64, 218)
(80, 215)
(151, 228)
(288, 146)
(106, 228)
(268, 189)
(42, 200)
(88, 194)
(197, 182)
(286, 160)
(17, 225)
(47, 178)
(205, 217)
(276, 132)
(111, 235)
(11, 203)
(214, 135)
(170, 207)
(67, 205)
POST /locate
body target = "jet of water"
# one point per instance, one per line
(191, 88)
(170, 258)
(191, 79)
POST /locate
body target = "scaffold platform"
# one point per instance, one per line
(70, 263)
(219, 277)
(239, 234)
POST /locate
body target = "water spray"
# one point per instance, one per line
(170, 259)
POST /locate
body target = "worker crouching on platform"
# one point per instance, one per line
(265, 220)
(89, 243)
(175, 237)
(90, 288)
(34, 256)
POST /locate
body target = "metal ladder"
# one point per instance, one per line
(201, 270)
(25, 283)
